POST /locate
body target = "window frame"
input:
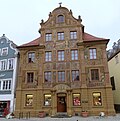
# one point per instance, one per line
(49, 102)
(27, 105)
(3, 66)
(2, 53)
(99, 102)
(76, 102)
(93, 53)
(31, 57)
(47, 76)
(61, 76)
(10, 67)
(48, 56)
(75, 75)
(48, 37)
(74, 54)
(60, 36)
(61, 55)
(31, 77)
(73, 35)
(94, 77)
(60, 19)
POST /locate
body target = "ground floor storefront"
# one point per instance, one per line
(4, 108)
(63, 99)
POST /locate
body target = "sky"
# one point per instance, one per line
(20, 19)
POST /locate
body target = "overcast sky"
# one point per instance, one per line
(19, 19)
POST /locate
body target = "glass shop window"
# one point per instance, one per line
(29, 100)
(76, 100)
(97, 101)
(47, 98)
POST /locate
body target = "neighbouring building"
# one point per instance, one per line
(8, 71)
(63, 70)
(114, 70)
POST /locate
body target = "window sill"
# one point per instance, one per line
(28, 107)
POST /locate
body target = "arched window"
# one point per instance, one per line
(60, 19)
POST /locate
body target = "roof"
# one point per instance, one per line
(86, 38)
(35, 42)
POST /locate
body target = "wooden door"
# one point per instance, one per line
(61, 104)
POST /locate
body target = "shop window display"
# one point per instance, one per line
(97, 99)
(29, 100)
(47, 101)
(76, 100)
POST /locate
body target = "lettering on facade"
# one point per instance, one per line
(1, 75)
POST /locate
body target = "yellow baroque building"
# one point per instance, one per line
(65, 70)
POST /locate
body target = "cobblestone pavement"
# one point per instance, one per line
(74, 118)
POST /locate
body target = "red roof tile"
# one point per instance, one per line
(86, 38)
(89, 37)
(32, 43)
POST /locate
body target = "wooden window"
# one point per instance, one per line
(30, 77)
(3, 64)
(76, 99)
(48, 37)
(94, 74)
(112, 82)
(73, 35)
(93, 54)
(61, 76)
(47, 99)
(61, 55)
(60, 35)
(29, 100)
(48, 56)
(4, 51)
(47, 76)
(7, 85)
(60, 19)
(75, 75)
(31, 57)
(74, 54)
(97, 101)
(10, 63)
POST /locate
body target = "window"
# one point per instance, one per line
(48, 56)
(61, 76)
(97, 99)
(60, 19)
(92, 53)
(31, 57)
(47, 76)
(4, 51)
(76, 99)
(94, 74)
(116, 59)
(7, 85)
(75, 75)
(48, 37)
(47, 99)
(10, 63)
(30, 77)
(73, 35)
(61, 55)
(112, 82)
(3, 65)
(60, 35)
(29, 100)
(74, 54)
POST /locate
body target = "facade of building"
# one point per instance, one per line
(114, 67)
(8, 70)
(64, 70)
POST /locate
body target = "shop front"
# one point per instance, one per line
(4, 108)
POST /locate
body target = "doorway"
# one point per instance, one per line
(61, 103)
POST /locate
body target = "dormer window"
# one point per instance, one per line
(60, 19)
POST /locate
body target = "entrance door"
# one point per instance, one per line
(61, 104)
